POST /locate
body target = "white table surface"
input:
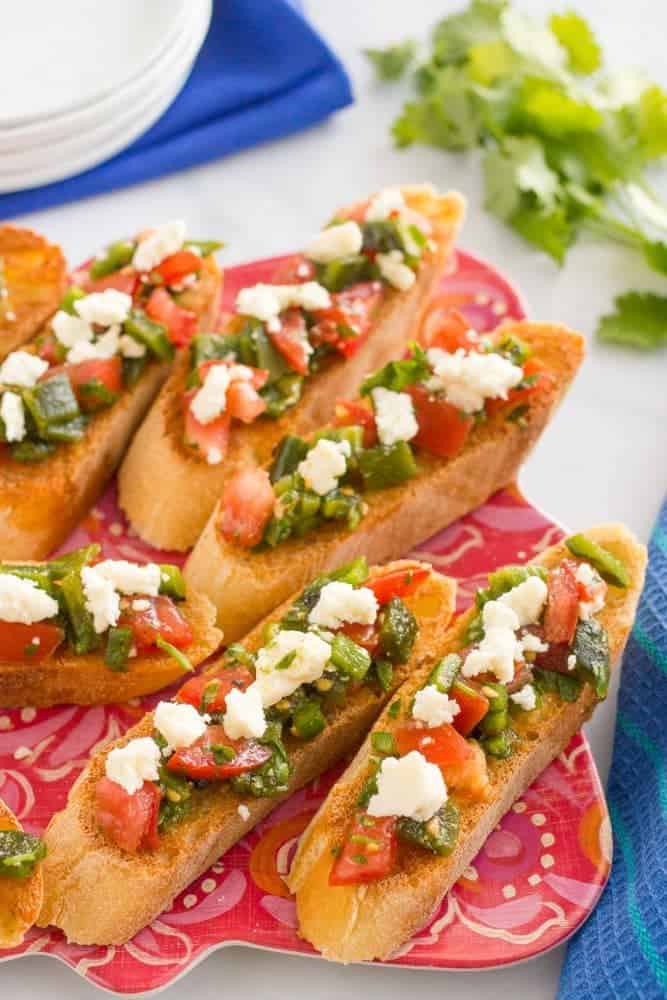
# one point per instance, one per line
(604, 457)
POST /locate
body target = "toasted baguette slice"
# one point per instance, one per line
(40, 504)
(359, 923)
(33, 277)
(171, 512)
(99, 894)
(244, 585)
(20, 899)
(86, 680)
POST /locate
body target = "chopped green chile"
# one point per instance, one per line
(73, 430)
(152, 335)
(591, 648)
(30, 452)
(117, 255)
(398, 631)
(96, 395)
(566, 686)
(445, 672)
(288, 454)
(499, 745)
(19, 853)
(172, 581)
(72, 295)
(308, 720)
(51, 402)
(81, 634)
(205, 247)
(383, 743)
(387, 465)
(605, 562)
(119, 645)
(384, 672)
(398, 375)
(176, 654)
(272, 777)
(338, 274)
(437, 834)
(351, 659)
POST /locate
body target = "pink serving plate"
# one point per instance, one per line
(534, 882)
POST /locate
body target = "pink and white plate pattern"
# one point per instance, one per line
(535, 880)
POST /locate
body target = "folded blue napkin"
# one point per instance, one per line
(262, 73)
(621, 952)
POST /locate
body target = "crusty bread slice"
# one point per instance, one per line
(99, 894)
(86, 680)
(20, 899)
(33, 275)
(244, 585)
(40, 504)
(359, 923)
(171, 511)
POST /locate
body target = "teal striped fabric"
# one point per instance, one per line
(621, 952)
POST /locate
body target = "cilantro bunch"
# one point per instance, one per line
(566, 146)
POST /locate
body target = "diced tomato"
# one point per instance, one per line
(211, 439)
(216, 685)
(516, 397)
(398, 583)
(293, 271)
(443, 430)
(160, 619)
(258, 377)
(462, 763)
(554, 658)
(178, 266)
(346, 322)
(473, 706)
(21, 643)
(244, 402)
(369, 851)
(349, 412)
(364, 635)
(246, 507)
(292, 340)
(181, 324)
(129, 821)
(449, 330)
(199, 763)
(562, 611)
(50, 349)
(107, 371)
(125, 280)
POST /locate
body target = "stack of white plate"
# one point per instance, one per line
(81, 80)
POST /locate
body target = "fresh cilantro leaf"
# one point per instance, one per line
(448, 117)
(655, 252)
(517, 167)
(552, 232)
(392, 62)
(653, 122)
(640, 321)
(552, 111)
(491, 61)
(577, 39)
(538, 46)
(454, 35)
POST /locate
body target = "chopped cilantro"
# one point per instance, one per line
(392, 62)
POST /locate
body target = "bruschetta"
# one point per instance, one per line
(20, 879)
(71, 399)
(432, 436)
(351, 301)
(84, 631)
(153, 810)
(518, 675)
(33, 278)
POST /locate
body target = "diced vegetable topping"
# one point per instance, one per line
(20, 853)
(608, 565)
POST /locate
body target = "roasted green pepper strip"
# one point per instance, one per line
(152, 335)
(344, 271)
(308, 721)
(591, 648)
(499, 745)
(437, 834)
(352, 660)
(83, 637)
(51, 402)
(119, 645)
(117, 255)
(287, 456)
(387, 465)
(172, 581)
(95, 395)
(19, 853)
(205, 247)
(398, 631)
(72, 430)
(72, 295)
(72, 561)
(383, 743)
(608, 566)
(445, 672)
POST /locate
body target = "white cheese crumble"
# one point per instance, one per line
(104, 308)
(324, 465)
(130, 578)
(23, 601)
(103, 348)
(341, 240)
(384, 204)
(571, 661)
(158, 244)
(266, 301)
(179, 723)
(533, 644)
(394, 270)
(525, 698)
(340, 602)
(101, 599)
(394, 416)
(131, 348)
(211, 400)
(131, 765)
(311, 655)
(596, 587)
(244, 714)
(500, 648)
(526, 600)
(13, 416)
(71, 330)
(408, 786)
(467, 379)
(22, 368)
(214, 456)
(243, 811)
(141, 604)
(434, 707)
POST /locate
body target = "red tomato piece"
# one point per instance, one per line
(364, 635)
(398, 583)
(351, 312)
(125, 280)
(244, 402)
(219, 685)
(160, 619)
(369, 851)
(349, 412)
(292, 340)
(530, 393)
(562, 611)
(441, 745)
(473, 706)
(50, 349)
(211, 438)
(177, 266)
(293, 271)
(554, 658)
(129, 821)
(246, 507)
(443, 430)
(181, 324)
(198, 761)
(447, 329)
(18, 645)
(108, 371)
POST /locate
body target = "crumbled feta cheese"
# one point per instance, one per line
(394, 270)
(131, 765)
(525, 698)
(533, 644)
(210, 401)
(408, 786)
(243, 811)
(340, 602)
(274, 325)
(101, 599)
(341, 240)
(71, 330)
(141, 604)
(468, 379)
(526, 600)
(311, 655)
(131, 578)
(571, 661)
(23, 601)
(179, 723)
(158, 244)
(131, 348)
(324, 465)
(266, 301)
(104, 308)
(244, 714)
(394, 416)
(214, 456)
(13, 416)
(22, 368)
(384, 204)
(595, 587)
(496, 653)
(433, 707)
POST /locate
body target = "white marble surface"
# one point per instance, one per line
(603, 458)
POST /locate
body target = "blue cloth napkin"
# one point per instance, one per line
(262, 73)
(621, 952)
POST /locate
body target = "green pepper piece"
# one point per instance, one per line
(117, 255)
(282, 394)
(38, 575)
(566, 686)
(513, 350)
(498, 696)
(72, 561)
(398, 631)
(355, 573)
(176, 798)
(172, 581)
(84, 638)
(591, 648)
(152, 335)
(494, 723)
(339, 505)
(387, 465)
(205, 247)
(352, 660)
(500, 581)
(256, 349)
(308, 721)
(51, 402)
(210, 347)
(384, 672)
(608, 565)
(272, 777)
(500, 745)
(96, 395)
(72, 430)
(383, 743)
(72, 295)
(31, 451)
(19, 853)
(119, 644)
(287, 455)
(309, 505)
(237, 653)
(437, 834)
(343, 271)
(353, 434)
(133, 369)
(176, 654)
(382, 236)
(398, 375)
(444, 673)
